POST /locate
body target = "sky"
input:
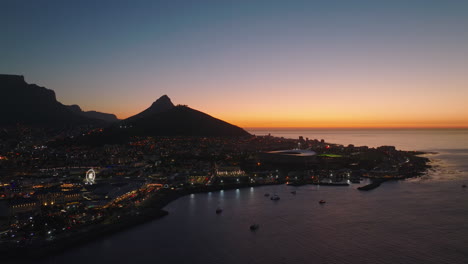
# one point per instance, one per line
(252, 63)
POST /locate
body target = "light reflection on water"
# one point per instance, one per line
(421, 220)
(400, 222)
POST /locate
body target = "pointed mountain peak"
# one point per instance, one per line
(164, 97)
(163, 103)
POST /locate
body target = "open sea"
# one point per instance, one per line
(421, 220)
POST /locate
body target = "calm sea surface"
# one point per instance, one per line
(422, 220)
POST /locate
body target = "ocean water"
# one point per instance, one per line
(448, 147)
(405, 139)
(422, 220)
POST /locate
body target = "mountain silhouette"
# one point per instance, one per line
(30, 104)
(162, 118)
(163, 104)
(109, 118)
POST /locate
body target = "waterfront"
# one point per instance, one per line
(404, 139)
(449, 146)
(401, 222)
(422, 220)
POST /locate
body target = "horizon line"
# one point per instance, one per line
(354, 128)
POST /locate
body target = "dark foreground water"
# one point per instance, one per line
(422, 220)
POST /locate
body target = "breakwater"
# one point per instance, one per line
(375, 183)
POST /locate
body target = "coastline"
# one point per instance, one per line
(154, 211)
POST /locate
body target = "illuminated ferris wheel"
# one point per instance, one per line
(90, 176)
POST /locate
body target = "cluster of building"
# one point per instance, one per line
(49, 188)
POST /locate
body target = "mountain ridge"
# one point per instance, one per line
(31, 104)
(109, 118)
(35, 105)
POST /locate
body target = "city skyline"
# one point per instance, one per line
(253, 64)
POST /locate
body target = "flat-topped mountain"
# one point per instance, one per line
(162, 118)
(30, 104)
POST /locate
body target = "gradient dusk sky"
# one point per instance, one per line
(252, 63)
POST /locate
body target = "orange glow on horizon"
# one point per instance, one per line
(293, 126)
(249, 122)
(359, 106)
(337, 121)
(396, 126)
(379, 97)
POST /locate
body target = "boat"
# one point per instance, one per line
(464, 186)
(267, 194)
(275, 197)
(219, 210)
(254, 227)
(322, 202)
(293, 192)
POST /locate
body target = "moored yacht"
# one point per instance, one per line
(254, 227)
(275, 197)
